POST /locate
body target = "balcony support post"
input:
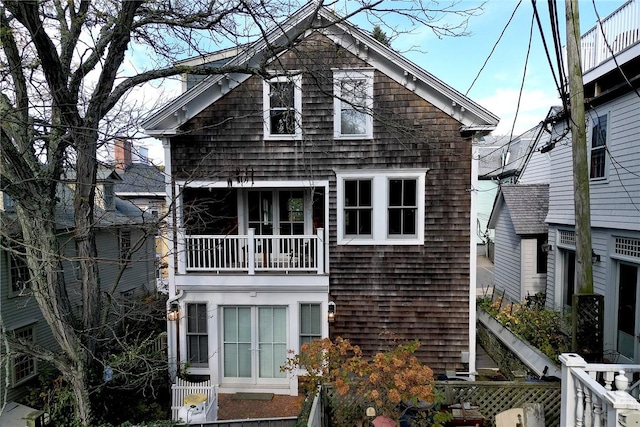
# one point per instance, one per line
(251, 251)
(320, 247)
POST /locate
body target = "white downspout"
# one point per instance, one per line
(473, 260)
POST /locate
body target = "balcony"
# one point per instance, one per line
(596, 394)
(617, 33)
(252, 254)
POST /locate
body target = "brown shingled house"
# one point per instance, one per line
(340, 184)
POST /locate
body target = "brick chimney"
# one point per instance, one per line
(122, 154)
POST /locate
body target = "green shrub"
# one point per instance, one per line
(540, 326)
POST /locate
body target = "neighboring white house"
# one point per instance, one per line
(612, 93)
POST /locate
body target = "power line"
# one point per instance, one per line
(493, 48)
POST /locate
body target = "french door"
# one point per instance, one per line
(254, 344)
(628, 321)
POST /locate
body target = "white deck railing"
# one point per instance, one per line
(594, 396)
(251, 253)
(618, 31)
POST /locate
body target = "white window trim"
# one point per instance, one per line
(26, 288)
(338, 76)
(379, 201)
(297, 103)
(606, 147)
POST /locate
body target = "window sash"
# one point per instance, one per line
(310, 322)
(598, 147)
(24, 366)
(353, 104)
(19, 273)
(357, 207)
(282, 107)
(197, 334)
(403, 207)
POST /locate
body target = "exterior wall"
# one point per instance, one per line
(406, 292)
(532, 282)
(21, 311)
(486, 195)
(612, 199)
(604, 273)
(537, 170)
(507, 257)
(216, 300)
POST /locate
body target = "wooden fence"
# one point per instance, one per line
(491, 397)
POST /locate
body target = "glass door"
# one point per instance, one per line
(254, 344)
(628, 331)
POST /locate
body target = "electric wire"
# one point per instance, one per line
(495, 45)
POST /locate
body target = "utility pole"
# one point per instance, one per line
(584, 266)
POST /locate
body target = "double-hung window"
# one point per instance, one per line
(24, 365)
(20, 283)
(125, 245)
(353, 104)
(197, 335)
(599, 148)
(381, 207)
(310, 322)
(282, 99)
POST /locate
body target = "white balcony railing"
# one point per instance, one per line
(618, 31)
(251, 253)
(593, 394)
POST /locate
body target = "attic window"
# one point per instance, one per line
(353, 104)
(282, 98)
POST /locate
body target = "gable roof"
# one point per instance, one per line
(472, 116)
(527, 205)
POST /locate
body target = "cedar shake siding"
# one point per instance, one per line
(382, 292)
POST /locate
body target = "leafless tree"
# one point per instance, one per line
(66, 70)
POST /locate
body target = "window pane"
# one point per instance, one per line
(351, 193)
(244, 360)
(597, 163)
(244, 324)
(395, 221)
(409, 221)
(365, 221)
(230, 324)
(395, 192)
(230, 360)
(282, 122)
(354, 93)
(409, 193)
(599, 132)
(365, 193)
(281, 95)
(351, 222)
(353, 122)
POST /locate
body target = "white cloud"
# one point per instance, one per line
(534, 106)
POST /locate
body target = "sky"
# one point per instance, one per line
(457, 61)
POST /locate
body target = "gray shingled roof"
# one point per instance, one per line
(528, 206)
(142, 179)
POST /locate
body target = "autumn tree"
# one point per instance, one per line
(391, 381)
(69, 70)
